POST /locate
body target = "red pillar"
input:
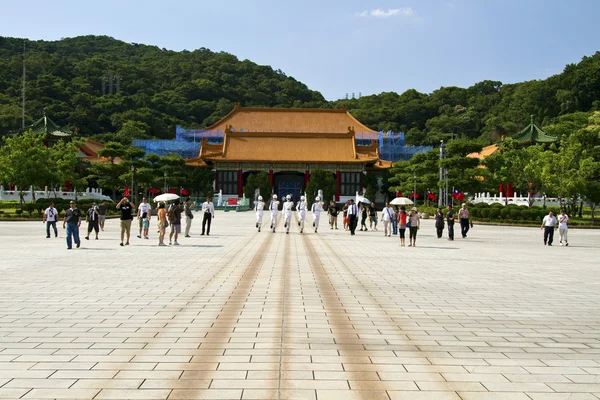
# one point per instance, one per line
(240, 183)
(271, 177)
(306, 178)
(338, 181)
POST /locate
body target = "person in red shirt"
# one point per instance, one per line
(402, 225)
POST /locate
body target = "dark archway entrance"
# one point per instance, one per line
(285, 183)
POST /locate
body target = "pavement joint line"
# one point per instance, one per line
(322, 280)
(286, 263)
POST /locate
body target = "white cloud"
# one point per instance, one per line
(379, 13)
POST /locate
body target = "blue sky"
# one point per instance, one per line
(342, 46)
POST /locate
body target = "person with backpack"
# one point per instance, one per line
(373, 217)
(174, 215)
(125, 207)
(92, 218)
(50, 218)
(332, 210)
(387, 217)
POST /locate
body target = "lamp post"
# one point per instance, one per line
(165, 175)
(132, 191)
(441, 190)
(415, 188)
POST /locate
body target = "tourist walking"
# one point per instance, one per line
(142, 213)
(174, 214)
(414, 222)
(345, 219)
(563, 228)
(102, 209)
(301, 208)
(549, 224)
(287, 213)
(259, 207)
(316, 209)
(71, 223)
(363, 217)
(161, 215)
(464, 216)
(125, 207)
(395, 221)
(189, 216)
(50, 217)
(439, 223)
(373, 217)
(332, 211)
(402, 221)
(352, 217)
(91, 217)
(450, 221)
(208, 209)
(387, 217)
(274, 208)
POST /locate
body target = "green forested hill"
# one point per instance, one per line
(160, 89)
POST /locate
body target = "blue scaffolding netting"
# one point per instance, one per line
(391, 145)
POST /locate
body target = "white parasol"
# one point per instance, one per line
(401, 201)
(166, 197)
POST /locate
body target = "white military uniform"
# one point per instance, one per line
(260, 206)
(274, 207)
(317, 207)
(301, 208)
(287, 214)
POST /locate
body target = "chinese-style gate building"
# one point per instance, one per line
(288, 143)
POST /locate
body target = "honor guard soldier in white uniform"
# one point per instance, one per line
(274, 207)
(287, 213)
(301, 209)
(260, 206)
(317, 207)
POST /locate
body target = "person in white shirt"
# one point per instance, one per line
(316, 209)
(274, 207)
(301, 209)
(208, 209)
(259, 207)
(563, 228)
(549, 224)
(50, 218)
(287, 213)
(352, 215)
(387, 215)
(143, 209)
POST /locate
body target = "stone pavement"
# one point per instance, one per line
(247, 315)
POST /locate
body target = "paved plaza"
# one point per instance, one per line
(246, 315)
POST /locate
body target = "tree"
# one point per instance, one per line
(260, 181)
(24, 161)
(200, 181)
(321, 180)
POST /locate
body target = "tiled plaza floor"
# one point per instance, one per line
(246, 315)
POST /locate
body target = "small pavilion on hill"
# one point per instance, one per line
(289, 143)
(531, 134)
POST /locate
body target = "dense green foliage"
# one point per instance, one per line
(320, 180)
(158, 90)
(260, 181)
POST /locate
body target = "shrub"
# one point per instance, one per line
(497, 205)
(18, 211)
(494, 213)
(475, 212)
(485, 212)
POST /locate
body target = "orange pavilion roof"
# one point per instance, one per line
(288, 147)
(321, 120)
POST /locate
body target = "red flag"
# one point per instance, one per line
(171, 190)
(153, 190)
(126, 192)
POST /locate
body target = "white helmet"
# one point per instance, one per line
(317, 198)
(302, 198)
(288, 197)
(275, 196)
(259, 198)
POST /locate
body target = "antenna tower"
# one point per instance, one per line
(23, 100)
